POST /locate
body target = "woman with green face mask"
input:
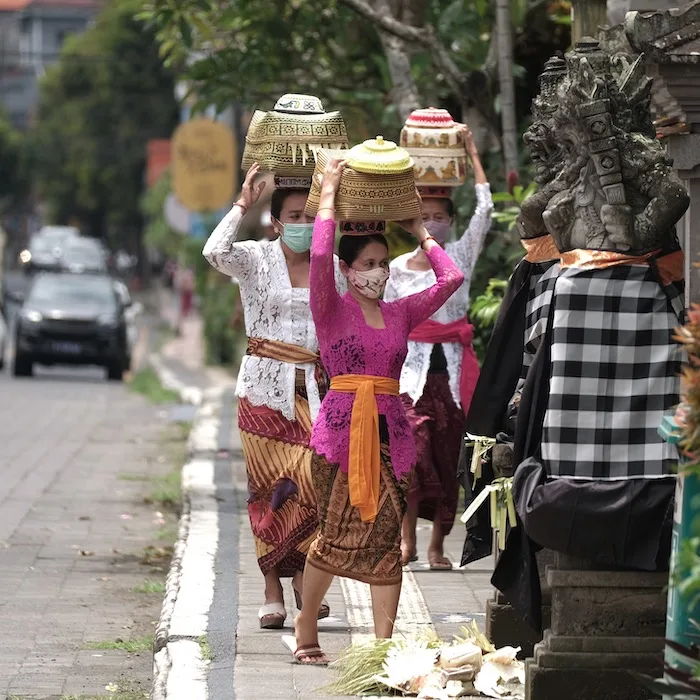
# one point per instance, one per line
(280, 384)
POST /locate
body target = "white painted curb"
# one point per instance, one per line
(179, 671)
(188, 394)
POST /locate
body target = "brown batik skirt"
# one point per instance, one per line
(346, 546)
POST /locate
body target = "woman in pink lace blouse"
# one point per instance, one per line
(363, 445)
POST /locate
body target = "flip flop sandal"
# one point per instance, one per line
(438, 565)
(305, 655)
(323, 612)
(272, 616)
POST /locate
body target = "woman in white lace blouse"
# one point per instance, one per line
(280, 384)
(440, 371)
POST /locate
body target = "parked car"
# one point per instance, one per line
(45, 248)
(69, 319)
(132, 310)
(41, 255)
(83, 255)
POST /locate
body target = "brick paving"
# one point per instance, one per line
(72, 533)
(255, 659)
(263, 667)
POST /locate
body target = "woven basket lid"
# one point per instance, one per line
(299, 104)
(430, 118)
(377, 156)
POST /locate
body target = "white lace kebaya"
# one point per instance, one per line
(403, 282)
(273, 310)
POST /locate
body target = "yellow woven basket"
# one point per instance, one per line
(366, 197)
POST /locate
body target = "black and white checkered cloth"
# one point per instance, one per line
(542, 280)
(613, 376)
(537, 311)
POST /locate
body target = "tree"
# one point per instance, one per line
(13, 164)
(439, 52)
(98, 107)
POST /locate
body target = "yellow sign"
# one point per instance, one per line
(204, 165)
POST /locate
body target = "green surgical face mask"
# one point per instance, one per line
(297, 237)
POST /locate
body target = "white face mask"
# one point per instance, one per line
(370, 283)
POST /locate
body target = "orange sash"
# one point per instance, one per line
(364, 457)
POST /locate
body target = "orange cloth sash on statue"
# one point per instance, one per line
(540, 249)
(364, 457)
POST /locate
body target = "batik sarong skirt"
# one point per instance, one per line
(347, 546)
(281, 500)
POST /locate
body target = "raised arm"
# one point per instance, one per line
(422, 305)
(222, 250)
(324, 297)
(465, 251)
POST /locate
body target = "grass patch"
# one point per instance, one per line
(167, 534)
(147, 383)
(131, 646)
(133, 477)
(149, 586)
(166, 491)
(118, 695)
(204, 647)
(157, 557)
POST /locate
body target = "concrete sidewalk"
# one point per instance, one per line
(211, 637)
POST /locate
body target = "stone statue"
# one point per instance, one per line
(607, 183)
(545, 149)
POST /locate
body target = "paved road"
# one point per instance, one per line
(74, 450)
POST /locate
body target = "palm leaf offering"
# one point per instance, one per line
(428, 667)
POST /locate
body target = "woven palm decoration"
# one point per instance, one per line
(436, 144)
(285, 141)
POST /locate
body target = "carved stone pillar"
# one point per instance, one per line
(603, 625)
(670, 39)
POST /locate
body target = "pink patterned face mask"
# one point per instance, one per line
(370, 283)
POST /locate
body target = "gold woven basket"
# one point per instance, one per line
(286, 144)
(365, 196)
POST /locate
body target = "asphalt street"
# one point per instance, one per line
(78, 456)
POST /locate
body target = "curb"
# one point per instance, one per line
(179, 670)
(188, 394)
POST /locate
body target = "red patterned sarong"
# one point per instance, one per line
(437, 423)
(281, 499)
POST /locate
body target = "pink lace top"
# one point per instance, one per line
(349, 346)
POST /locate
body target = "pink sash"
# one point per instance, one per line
(461, 332)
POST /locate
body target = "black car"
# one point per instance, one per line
(83, 255)
(69, 319)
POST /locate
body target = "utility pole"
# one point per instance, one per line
(587, 16)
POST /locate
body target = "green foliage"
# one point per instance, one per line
(486, 306)
(509, 214)
(147, 383)
(253, 52)
(98, 107)
(158, 235)
(223, 335)
(14, 164)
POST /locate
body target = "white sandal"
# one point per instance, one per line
(272, 616)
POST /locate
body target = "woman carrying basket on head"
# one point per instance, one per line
(280, 384)
(363, 445)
